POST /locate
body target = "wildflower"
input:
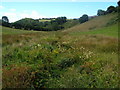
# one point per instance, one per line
(38, 45)
(55, 51)
(35, 46)
(80, 57)
(87, 56)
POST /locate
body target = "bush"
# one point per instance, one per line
(111, 9)
(16, 77)
(83, 19)
(101, 12)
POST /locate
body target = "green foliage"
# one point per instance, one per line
(61, 59)
(0, 22)
(83, 19)
(53, 26)
(118, 3)
(111, 9)
(61, 20)
(60, 65)
(101, 12)
(31, 24)
(28, 24)
(71, 23)
(5, 21)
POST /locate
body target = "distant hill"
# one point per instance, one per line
(95, 23)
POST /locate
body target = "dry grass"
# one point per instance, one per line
(59, 59)
(95, 23)
(16, 77)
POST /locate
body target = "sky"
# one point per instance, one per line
(18, 10)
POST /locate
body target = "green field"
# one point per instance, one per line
(6, 30)
(107, 31)
(44, 20)
(79, 57)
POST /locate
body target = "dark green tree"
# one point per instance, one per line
(5, 21)
(118, 3)
(111, 9)
(101, 12)
(28, 24)
(61, 20)
(0, 21)
(83, 19)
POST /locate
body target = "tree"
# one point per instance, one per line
(83, 19)
(118, 7)
(61, 20)
(28, 24)
(111, 9)
(0, 21)
(5, 21)
(101, 12)
(118, 3)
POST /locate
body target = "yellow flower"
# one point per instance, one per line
(55, 51)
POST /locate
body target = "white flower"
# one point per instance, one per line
(38, 45)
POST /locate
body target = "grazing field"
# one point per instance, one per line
(61, 59)
(6, 30)
(108, 31)
(44, 20)
(95, 23)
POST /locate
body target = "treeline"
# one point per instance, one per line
(54, 24)
(32, 24)
(110, 9)
(35, 24)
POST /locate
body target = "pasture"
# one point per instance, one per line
(61, 59)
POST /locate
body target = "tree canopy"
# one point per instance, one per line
(118, 3)
(101, 12)
(83, 19)
(111, 9)
(5, 21)
(31, 24)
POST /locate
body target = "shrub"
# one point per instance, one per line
(16, 77)
(83, 19)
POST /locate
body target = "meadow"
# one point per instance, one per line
(70, 58)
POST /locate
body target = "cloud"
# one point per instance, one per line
(14, 16)
(1, 7)
(86, 6)
(33, 14)
(59, 0)
(11, 16)
(12, 9)
(73, 0)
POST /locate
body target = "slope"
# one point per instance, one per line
(95, 23)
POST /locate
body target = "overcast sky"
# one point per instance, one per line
(18, 10)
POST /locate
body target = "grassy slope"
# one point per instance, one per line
(95, 23)
(107, 31)
(63, 58)
(70, 23)
(7, 30)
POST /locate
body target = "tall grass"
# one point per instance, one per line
(60, 59)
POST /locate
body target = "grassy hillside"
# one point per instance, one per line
(62, 59)
(7, 30)
(95, 23)
(107, 31)
(70, 23)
